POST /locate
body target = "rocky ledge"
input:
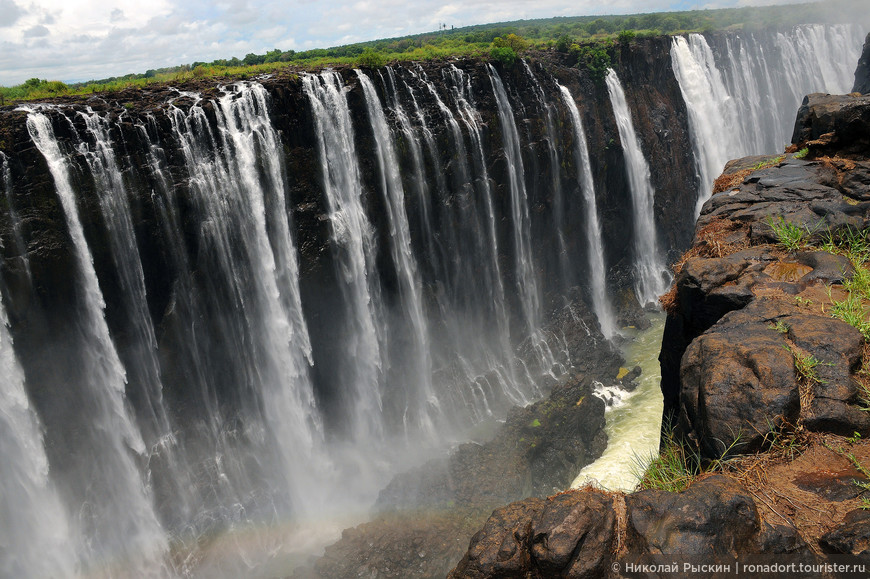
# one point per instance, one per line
(777, 450)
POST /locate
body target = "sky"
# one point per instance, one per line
(78, 40)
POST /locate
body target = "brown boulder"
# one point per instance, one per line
(572, 534)
(850, 538)
(739, 378)
(714, 516)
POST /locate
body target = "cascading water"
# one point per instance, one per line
(364, 337)
(526, 278)
(634, 419)
(36, 537)
(742, 93)
(141, 364)
(566, 271)
(6, 179)
(238, 187)
(310, 285)
(600, 304)
(652, 277)
(118, 518)
(474, 292)
(417, 410)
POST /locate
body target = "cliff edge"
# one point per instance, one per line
(765, 378)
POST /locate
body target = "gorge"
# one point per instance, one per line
(235, 310)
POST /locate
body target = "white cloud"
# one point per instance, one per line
(9, 13)
(36, 31)
(102, 38)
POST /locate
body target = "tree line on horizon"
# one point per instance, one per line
(586, 37)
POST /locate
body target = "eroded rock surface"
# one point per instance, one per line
(583, 533)
(745, 310)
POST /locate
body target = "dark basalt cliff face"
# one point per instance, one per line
(742, 312)
(181, 335)
(862, 73)
(40, 224)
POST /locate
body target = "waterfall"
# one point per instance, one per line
(119, 519)
(239, 312)
(600, 304)
(420, 371)
(141, 365)
(651, 277)
(420, 185)
(742, 92)
(566, 271)
(355, 248)
(18, 238)
(35, 538)
(472, 306)
(237, 181)
(526, 277)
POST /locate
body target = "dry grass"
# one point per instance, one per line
(862, 378)
(711, 241)
(837, 163)
(727, 181)
(668, 300)
(773, 479)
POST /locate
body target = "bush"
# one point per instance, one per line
(272, 56)
(626, 36)
(370, 59)
(593, 57)
(563, 43)
(516, 43)
(503, 54)
(251, 59)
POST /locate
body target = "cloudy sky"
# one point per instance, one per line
(76, 40)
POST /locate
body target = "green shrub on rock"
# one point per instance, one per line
(504, 55)
(371, 59)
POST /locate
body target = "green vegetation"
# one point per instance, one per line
(864, 485)
(805, 365)
(594, 36)
(506, 50)
(673, 469)
(594, 57)
(504, 55)
(677, 466)
(802, 153)
(780, 327)
(769, 163)
(790, 235)
(852, 309)
(370, 59)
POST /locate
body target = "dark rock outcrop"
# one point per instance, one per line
(834, 123)
(809, 196)
(587, 533)
(850, 538)
(862, 71)
(739, 379)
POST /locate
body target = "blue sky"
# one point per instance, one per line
(87, 39)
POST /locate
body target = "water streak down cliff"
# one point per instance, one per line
(227, 302)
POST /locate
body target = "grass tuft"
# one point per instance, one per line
(672, 470)
(790, 235)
